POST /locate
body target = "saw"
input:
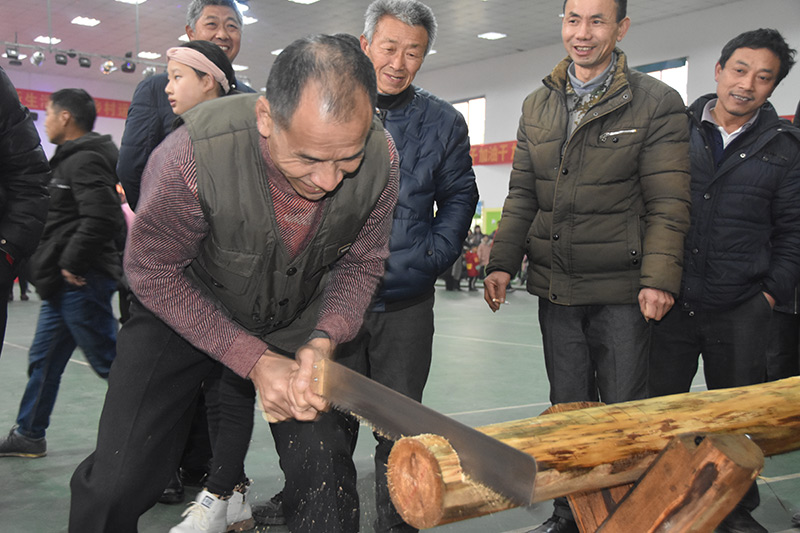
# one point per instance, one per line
(489, 461)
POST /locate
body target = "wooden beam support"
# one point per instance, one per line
(690, 488)
(599, 447)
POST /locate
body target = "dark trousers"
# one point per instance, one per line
(395, 349)
(783, 352)
(732, 343)
(320, 492)
(153, 389)
(591, 353)
(229, 403)
(594, 352)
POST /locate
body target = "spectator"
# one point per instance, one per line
(24, 174)
(75, 268)
(743, 248)
(599, 202)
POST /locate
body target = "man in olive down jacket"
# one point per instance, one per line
(599, 201)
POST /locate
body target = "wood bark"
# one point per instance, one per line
(590, 449)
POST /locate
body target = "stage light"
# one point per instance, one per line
(85, 62)
(37, 58)
(13, 57)
(128, 65)
(107, 67)
(61, 59)
(149, 71)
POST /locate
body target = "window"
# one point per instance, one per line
(674, 72)
(474, 112)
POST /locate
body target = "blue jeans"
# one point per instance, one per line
(75, 316)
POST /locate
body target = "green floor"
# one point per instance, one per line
(487, 368)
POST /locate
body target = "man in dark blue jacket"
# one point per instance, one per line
(150, 116)
(394, 346)
(742, 253)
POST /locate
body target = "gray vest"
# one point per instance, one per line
(243, 265)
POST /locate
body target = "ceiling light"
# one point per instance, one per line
(184, 38)
(47, 40)
(84, 62)
(85, 21)
(431, 52)
(37, 58)
(249, 20)
(61, 59)
(304, 2)
(107, 67)
(239, 68)
(242, 6)
(132, 1)
(277, 52)
(149, 55)
(149, 71)
(492, 35)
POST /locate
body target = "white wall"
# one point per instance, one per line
(699, 36)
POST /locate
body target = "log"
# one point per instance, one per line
(590, 449)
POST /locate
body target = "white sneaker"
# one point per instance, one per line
(240, 515)
(206, 514)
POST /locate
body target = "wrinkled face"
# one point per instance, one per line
(54, 123)
(745, 83)
(397, 51)
(219, 25)
(186, 89)
(590, 32)
(316, 152)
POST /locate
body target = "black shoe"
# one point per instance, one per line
(193, 479)
(740, 521)
(555, 524)
(174, 492)
(270, 513)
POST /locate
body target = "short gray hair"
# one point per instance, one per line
(409, 12)
(197, 6)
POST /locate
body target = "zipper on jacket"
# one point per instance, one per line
(606, 135)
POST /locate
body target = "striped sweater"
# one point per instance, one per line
(170, 227)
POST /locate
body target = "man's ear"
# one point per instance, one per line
(717, 70)
(189, 32)
(264, 120)
(364, 43)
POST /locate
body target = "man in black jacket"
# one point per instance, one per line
(742, 253)
(23, 189)
(75, 268)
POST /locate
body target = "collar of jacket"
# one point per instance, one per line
(557, 79)
(768, 119)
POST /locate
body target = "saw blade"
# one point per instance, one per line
(500, 467)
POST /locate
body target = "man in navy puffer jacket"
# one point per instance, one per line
(742, 253)
(395, 344)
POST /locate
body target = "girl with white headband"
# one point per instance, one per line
(197, 71)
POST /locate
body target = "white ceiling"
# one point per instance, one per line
(528, 23)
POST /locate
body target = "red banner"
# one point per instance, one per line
(493, 154)
(105, 107)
